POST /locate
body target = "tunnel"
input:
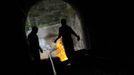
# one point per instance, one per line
(107, 30)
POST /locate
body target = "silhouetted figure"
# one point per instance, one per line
(35, 49)
(65, 32)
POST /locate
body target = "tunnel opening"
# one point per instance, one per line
(46, 15)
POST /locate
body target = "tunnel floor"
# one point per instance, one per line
(85, 65)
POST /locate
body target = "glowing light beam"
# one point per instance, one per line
(61, 51)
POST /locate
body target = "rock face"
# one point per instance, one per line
(47, 12)
(75, 24)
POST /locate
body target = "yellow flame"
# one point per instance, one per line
(61, 51)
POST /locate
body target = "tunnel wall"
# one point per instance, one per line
(105, 26)
(75, 23)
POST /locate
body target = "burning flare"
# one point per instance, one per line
(61, 51)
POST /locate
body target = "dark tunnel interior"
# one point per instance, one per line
(107, 30)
